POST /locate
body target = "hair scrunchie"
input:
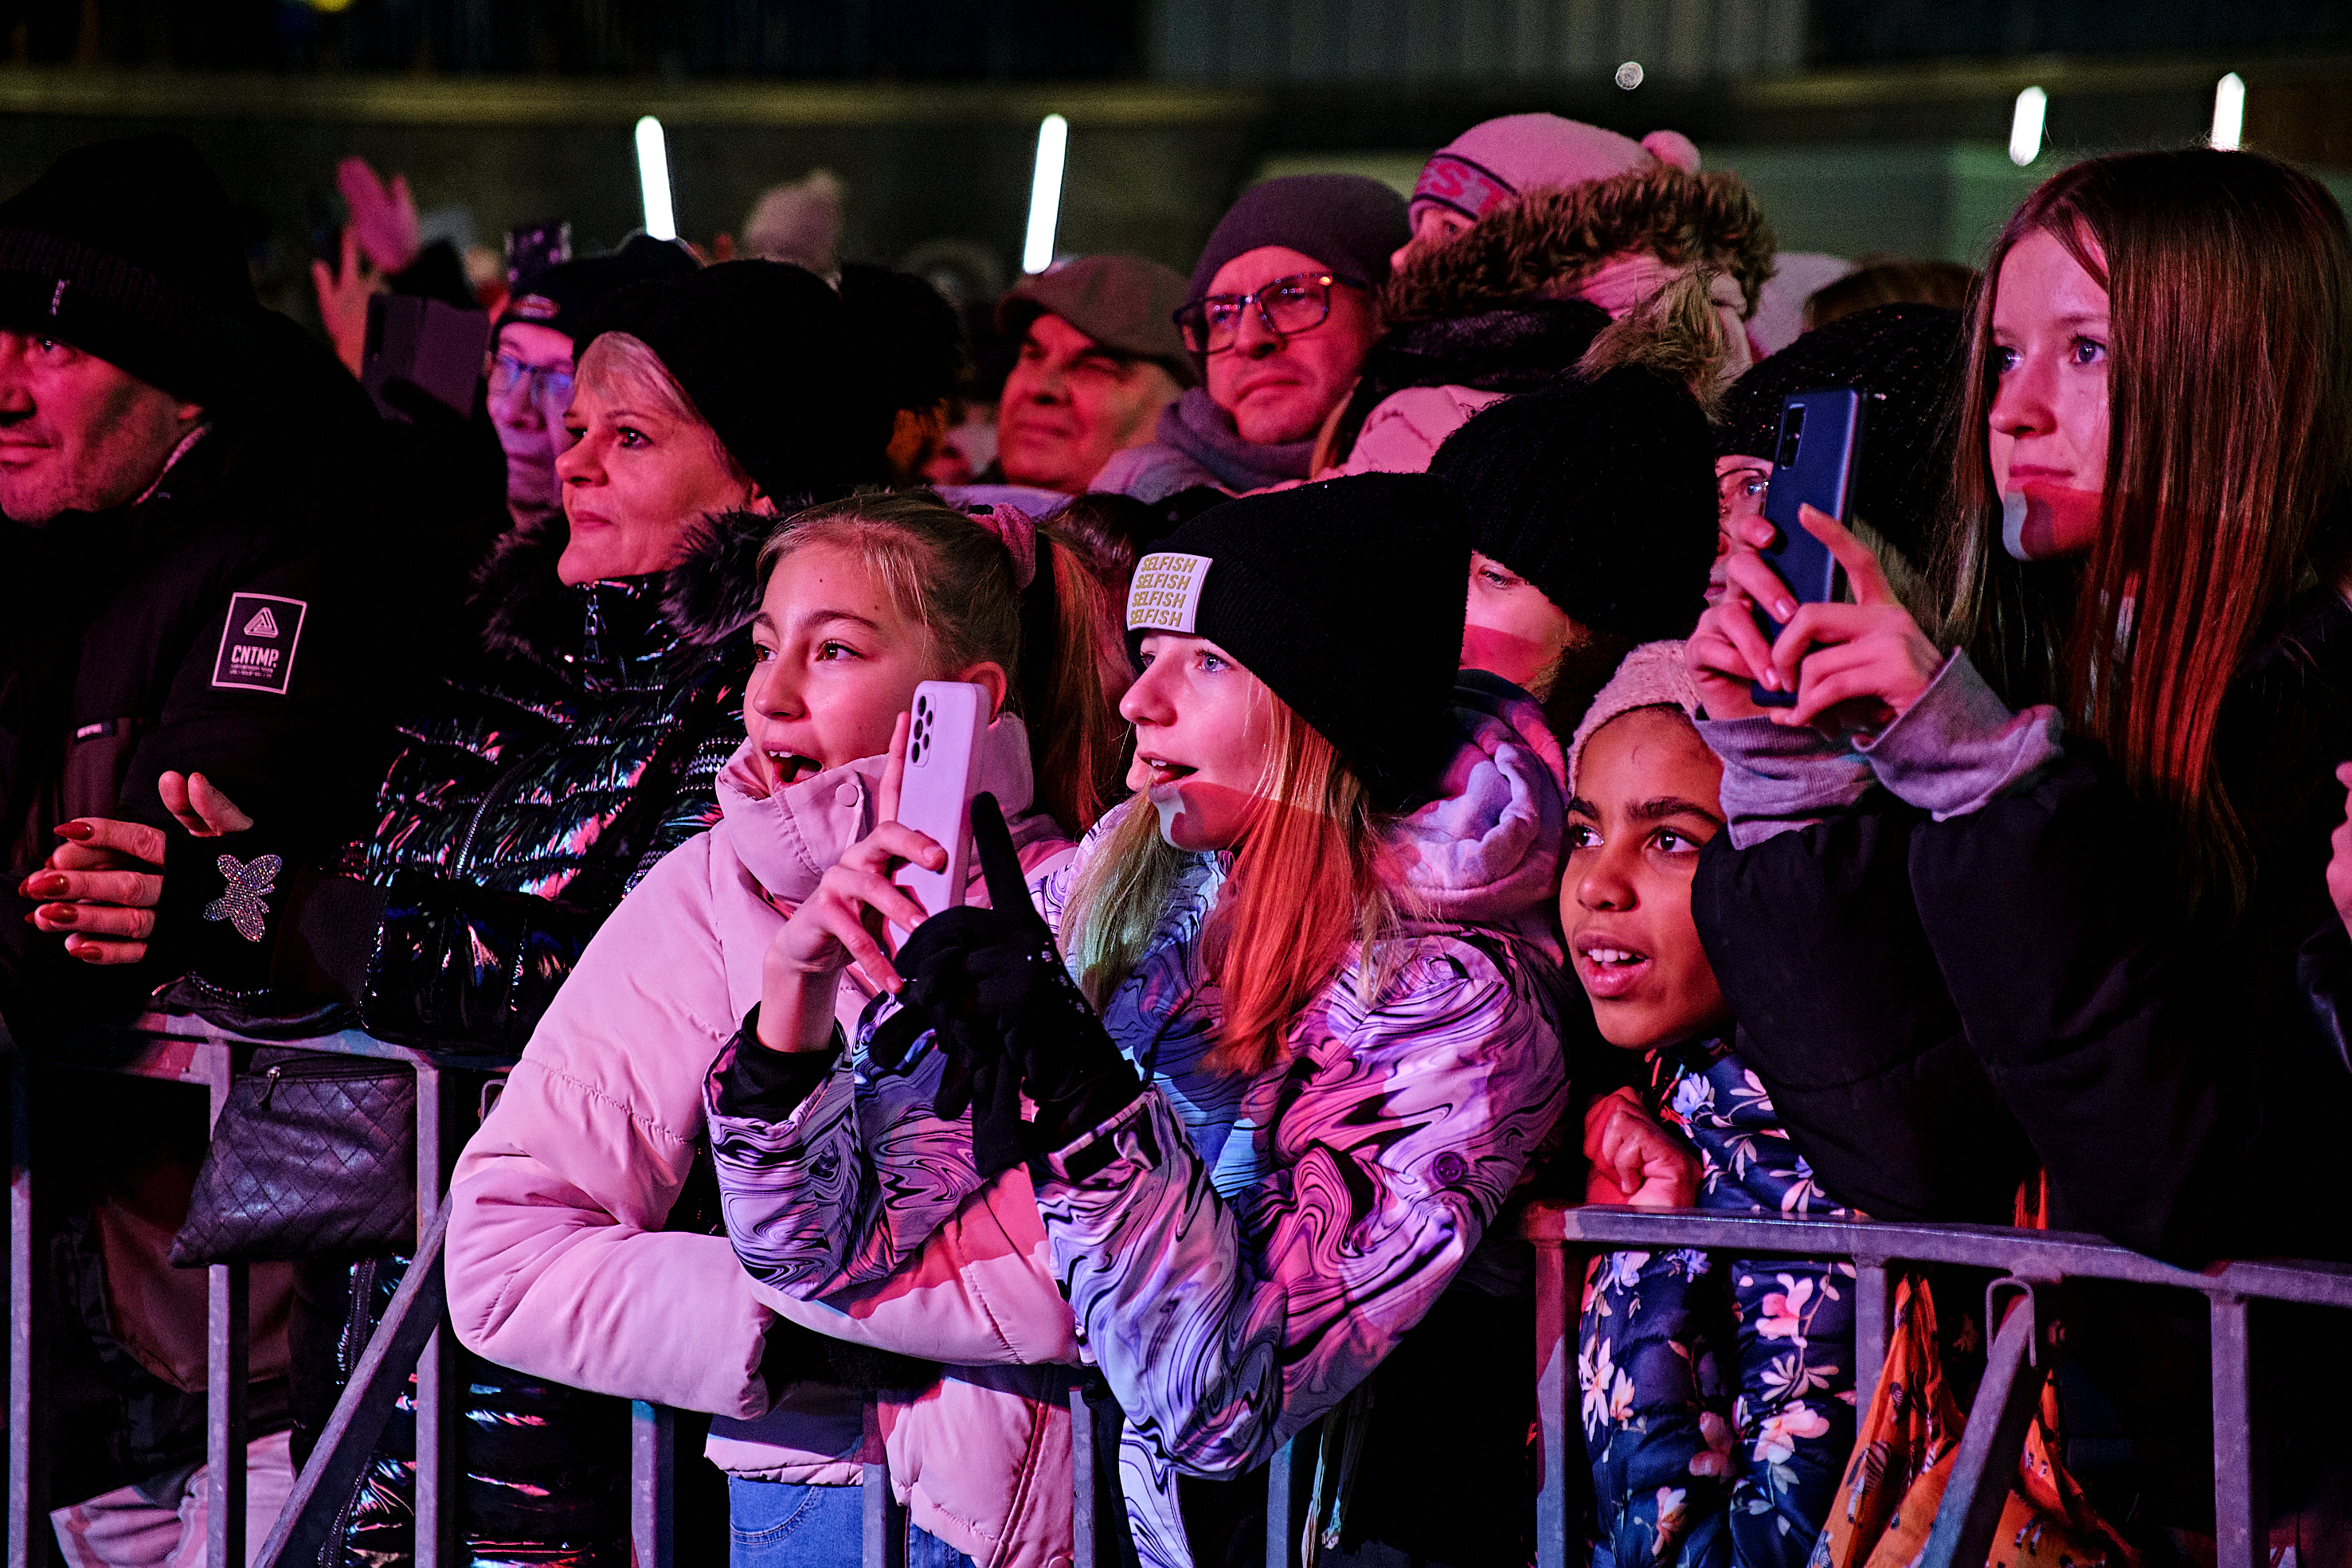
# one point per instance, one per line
(1017, 531)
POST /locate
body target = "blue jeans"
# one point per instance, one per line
(778, 1524)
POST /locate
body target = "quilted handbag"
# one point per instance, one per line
(313, 1157)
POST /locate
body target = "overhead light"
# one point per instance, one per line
(1046, 194)
(2229, 111)
(2025, 126)
(653, 179)
(1629, 75)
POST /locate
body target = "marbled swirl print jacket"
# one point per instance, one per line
(1240, 1253)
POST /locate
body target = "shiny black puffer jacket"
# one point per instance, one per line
(522, 804)
(531, 795)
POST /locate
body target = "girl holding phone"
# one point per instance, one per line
(1992, 893)
(1309, 1049)
(573, 1205)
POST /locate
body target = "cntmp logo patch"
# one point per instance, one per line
(256, 651)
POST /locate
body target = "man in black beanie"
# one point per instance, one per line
(1591, 510)
(190, 661)
(1279, 314)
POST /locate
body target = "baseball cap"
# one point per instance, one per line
(1123, 302)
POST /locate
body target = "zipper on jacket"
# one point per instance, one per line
(500, 781)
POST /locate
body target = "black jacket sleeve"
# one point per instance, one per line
(2056, 921)
(1844, 1013)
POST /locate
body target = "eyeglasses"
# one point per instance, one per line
(1288, 307)
(549, 389)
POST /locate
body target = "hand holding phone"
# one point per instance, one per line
(943, 738)
(1813, 463)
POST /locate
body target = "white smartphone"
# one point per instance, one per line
(935, 795)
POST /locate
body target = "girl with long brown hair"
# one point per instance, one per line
(2060, 848)
(1306, 1052)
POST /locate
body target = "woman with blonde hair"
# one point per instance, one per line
(1308, 1052)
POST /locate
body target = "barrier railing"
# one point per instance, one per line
(415, 1335)
(2028, 1262)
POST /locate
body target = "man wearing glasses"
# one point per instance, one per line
(530, 359)
(1281, 309)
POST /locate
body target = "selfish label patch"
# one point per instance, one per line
(1165, 595)
(256, 651)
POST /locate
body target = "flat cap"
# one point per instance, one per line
(1123, 302)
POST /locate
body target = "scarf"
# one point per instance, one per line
(1205, 433)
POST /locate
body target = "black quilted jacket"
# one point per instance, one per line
(533, 791)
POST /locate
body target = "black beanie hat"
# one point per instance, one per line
(1345, 597)
(565, 296)
(1909, 357)
(1602, 493)
(130, 250)
(763, 350)
(1348, 223)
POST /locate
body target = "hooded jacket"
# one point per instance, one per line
(1197, 1233)
(559, 1265)
(531, 793)
(1515, 301)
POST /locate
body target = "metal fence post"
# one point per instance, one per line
(1556, 1401)
(1082, 1477)
(26, 1518)
(227, 1323)
(438, 1388)
(886, 1520)
(1281, 1520)
(1986, 1465)
(652, 1484)
(2241, 1512)
(1871, 1329)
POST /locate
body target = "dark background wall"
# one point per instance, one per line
(1865, 123)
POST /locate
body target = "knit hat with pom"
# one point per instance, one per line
(1498, 160)
(1654, 674)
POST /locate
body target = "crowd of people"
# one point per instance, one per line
(1407, 790)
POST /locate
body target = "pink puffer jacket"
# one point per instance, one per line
(559, 1267)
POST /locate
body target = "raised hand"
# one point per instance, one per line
(840, 926)
(1856, 666)
(1633, 1160)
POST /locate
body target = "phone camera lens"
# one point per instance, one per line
(915, 752)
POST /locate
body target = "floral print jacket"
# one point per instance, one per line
(1719, 1393)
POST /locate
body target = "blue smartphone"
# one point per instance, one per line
(1813, 465)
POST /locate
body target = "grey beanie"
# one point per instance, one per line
(1348, 223)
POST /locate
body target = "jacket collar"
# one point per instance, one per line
(787, 840)
(711, 594)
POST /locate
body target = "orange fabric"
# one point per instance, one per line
(1908, 1441)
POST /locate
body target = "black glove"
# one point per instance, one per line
(991, 982)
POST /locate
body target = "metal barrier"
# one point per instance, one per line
(2028, 1262)
(187, 1049)
(414, 1334)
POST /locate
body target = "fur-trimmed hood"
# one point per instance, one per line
(709, 595)
(1552, 237)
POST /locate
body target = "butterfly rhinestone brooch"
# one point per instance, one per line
(240, 903)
